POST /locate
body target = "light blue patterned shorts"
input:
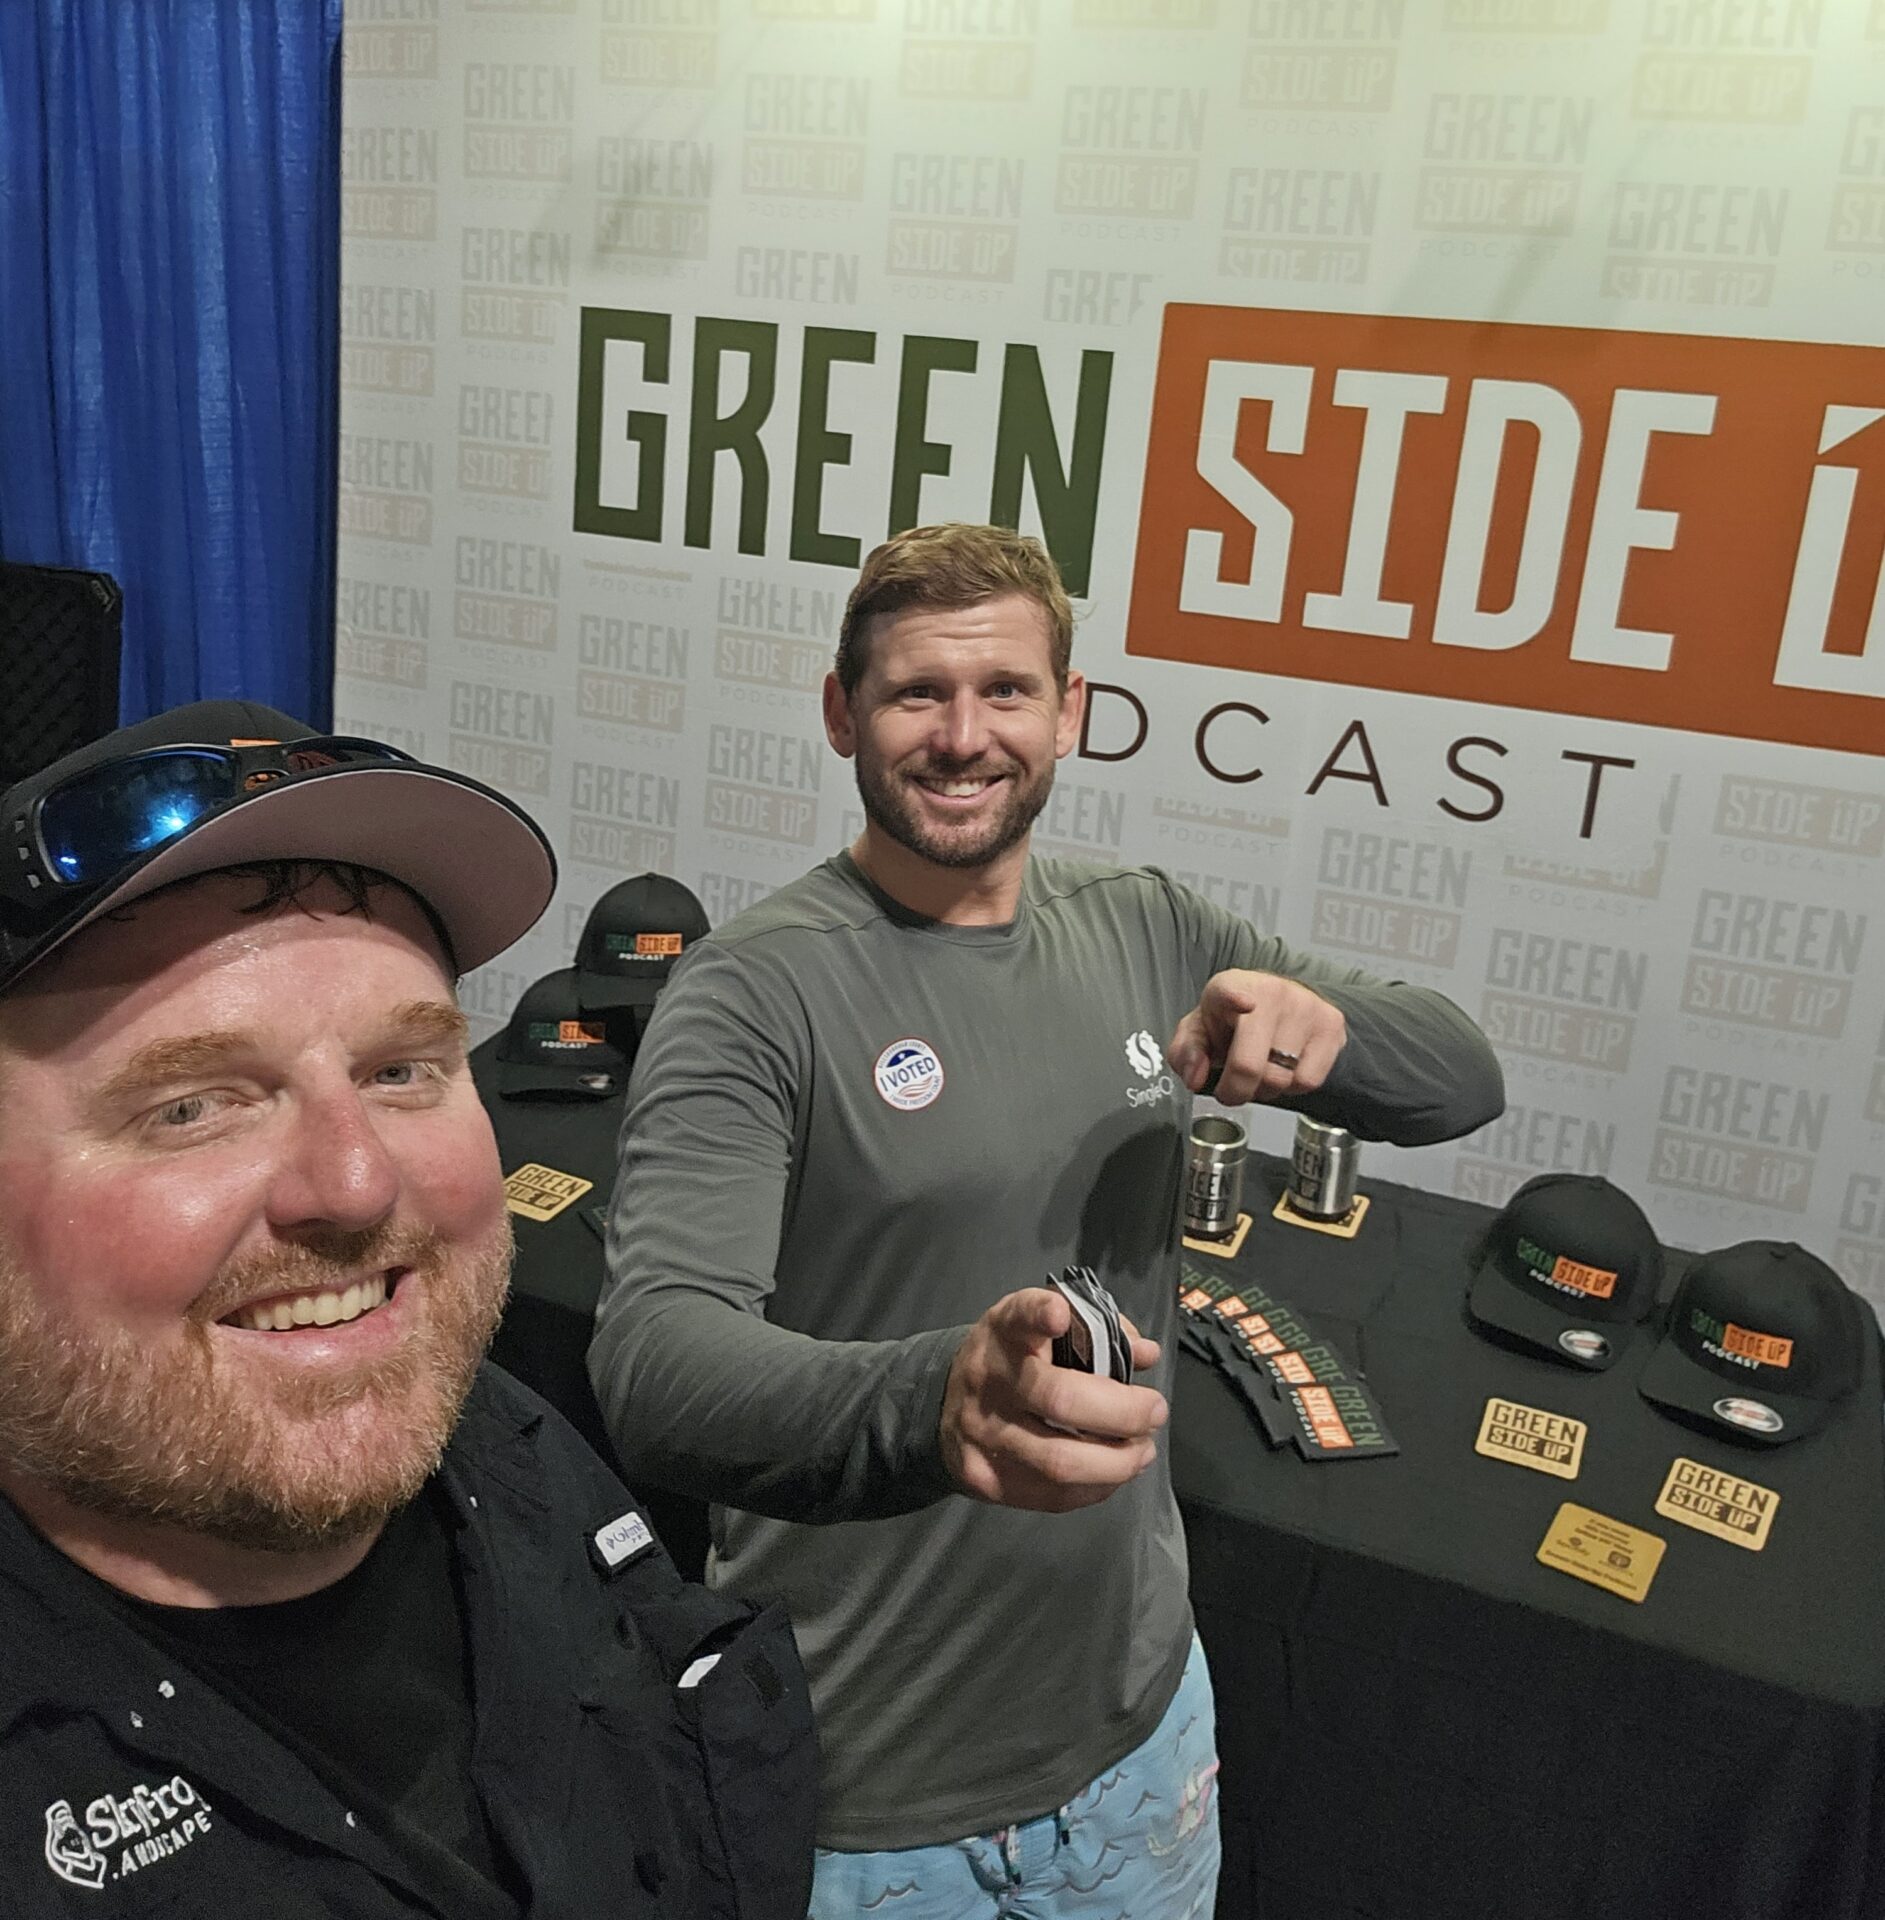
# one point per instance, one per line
(1141, 1840)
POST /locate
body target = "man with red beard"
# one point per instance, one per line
(306, 1610)
(869, 1115)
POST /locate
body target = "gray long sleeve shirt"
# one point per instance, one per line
(852, 1130)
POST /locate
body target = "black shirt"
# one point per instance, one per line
(369, 1679)
(134, 1788)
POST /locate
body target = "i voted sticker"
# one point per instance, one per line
(908, 1074)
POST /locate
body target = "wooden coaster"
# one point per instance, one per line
(1226, 1248)
(1345, 1228)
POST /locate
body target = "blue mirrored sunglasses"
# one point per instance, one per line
(82, 831)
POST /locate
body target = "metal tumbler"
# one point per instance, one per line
(1322, 1170)
(1214, 1178)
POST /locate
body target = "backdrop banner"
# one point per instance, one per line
(1459, 421)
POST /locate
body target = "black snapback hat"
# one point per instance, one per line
(551, 1050)
(631, 940)
(226, 782)
(1568, 1268)
(1762, 1343)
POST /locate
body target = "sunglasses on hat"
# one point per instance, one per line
(81, 831)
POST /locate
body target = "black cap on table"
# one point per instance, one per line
(1763, 1343)
(631, 940)
(552, 1050)
(1568, 1267)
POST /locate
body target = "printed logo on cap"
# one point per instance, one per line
(1738, 1346)
(1764, 1342)
(909, 1074)
(642, 949)
(565, 1036)
(1566, 1268)
(1567, 1275)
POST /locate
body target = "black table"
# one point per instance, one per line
(1416, 1718)
(543, 1338)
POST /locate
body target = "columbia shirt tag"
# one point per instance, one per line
(620, 1541)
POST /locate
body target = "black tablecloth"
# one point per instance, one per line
(1417, 1718)
(544, 1336)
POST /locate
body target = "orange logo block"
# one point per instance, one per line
(1664, 529)
(1596, 1281)
(1767, 1349)
(1318, 1405)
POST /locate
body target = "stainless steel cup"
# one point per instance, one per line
(1214, 1177)
(1322, 1170)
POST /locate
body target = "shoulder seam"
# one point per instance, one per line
(1109, 876)
(868, 913)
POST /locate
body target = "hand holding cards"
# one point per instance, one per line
(1096, 1340)
(1021, 1431)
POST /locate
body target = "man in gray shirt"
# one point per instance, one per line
(868, 1116)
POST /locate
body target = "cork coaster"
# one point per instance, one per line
(1345, 1228)
(1229, 1246)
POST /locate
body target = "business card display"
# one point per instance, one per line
(1720, 1503)
(1338, 1422)
(1591, 1546)
(1531, 1437)
(1295, 1383)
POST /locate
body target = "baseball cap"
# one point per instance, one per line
(1762, 1343)
(631, 940)
(549, 1049)
(225, 782)
(1567, 1268)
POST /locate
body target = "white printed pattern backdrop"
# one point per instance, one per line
(1689, 998)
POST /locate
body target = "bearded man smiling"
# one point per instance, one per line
(308, 1610)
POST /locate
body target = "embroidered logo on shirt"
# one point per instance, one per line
(1144, 1054)
(147, 1825)
(908, 1074)
(620, 1541)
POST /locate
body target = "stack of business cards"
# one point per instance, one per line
(1297, 1385)
(1096, 1340)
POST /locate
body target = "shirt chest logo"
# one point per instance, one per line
(1147, 1059)
(1144, 1055)
(908, 1073)
(152, 1823)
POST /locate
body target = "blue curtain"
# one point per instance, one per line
(169, 266)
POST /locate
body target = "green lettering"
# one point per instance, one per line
(819, 447)
(648, 432)
(912, 456)
(1067, 496)
(712, 433)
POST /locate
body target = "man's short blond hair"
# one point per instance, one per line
(957, 565)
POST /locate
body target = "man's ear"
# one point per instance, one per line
(840, 728)
(1072, 713)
